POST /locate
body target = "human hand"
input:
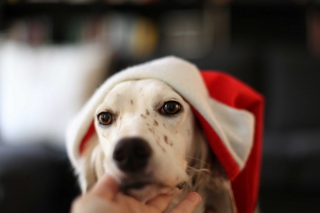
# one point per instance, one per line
(105, 197)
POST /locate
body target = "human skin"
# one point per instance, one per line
(105, 197)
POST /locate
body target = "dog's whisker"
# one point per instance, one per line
(197, 159)
(199, 174)
(206, 171)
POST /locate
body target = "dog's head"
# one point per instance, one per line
(142, 131)
(145, 132)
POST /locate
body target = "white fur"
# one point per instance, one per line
(235, 127)
(180, 152)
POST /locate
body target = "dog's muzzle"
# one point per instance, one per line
(132, 154)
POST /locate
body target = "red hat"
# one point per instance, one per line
(230, 112)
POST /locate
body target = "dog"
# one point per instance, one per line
(149, 141)
(143, 128)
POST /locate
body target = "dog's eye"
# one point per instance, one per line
(105, 118)
(171, 108)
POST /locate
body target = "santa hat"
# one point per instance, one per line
(230, 112)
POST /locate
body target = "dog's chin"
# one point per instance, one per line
(151, 191)
(147, 191)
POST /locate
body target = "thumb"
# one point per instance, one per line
(188, 204)
(106, 188)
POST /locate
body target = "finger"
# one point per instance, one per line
(106, 187)
(86, 204)
(188, 203)
(160, 202)
(133, 205)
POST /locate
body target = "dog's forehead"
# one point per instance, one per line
(139, 88)
(143, 84)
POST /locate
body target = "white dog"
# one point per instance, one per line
(150, 143)
(146, 136)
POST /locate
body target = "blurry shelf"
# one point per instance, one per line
(59, 14)
(20, 9)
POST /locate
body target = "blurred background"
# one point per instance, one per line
(55, 53)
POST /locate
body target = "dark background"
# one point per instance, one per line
(273, 45)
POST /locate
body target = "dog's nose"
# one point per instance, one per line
(132, 154)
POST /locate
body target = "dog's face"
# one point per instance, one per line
(145, 131)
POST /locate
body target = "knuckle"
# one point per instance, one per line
(77, 204)
(194, 197)
(74, 206)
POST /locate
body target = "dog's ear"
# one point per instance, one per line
(221, 200)
(91, 164)
(211, 180)
(219, 195)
